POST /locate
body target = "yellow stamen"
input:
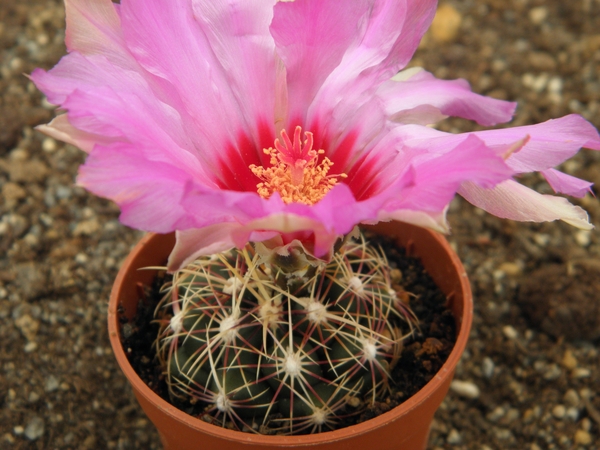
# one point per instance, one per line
(295, 172)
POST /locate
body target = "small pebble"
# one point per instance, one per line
(569, 361)
(510, 268)
(510, 332)
(446, 24)
(559, 411)
(555, 85)
(581, 372)
(538, 15)
(503, 434)
(586, 424)
(42, 39)
(553, 372)
(51, 384)
(49, 145)
(583, 238)
(582, 437)
(541, 239)
(465, 389)
(86, 228)
(30, 347)
(572, 398)
(487, 367)
(511, 415)
(35, 428)
(572, 413)
(496, 414)
(454, 437)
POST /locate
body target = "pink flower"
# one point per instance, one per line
(256, 120)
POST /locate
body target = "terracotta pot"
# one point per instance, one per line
(405, 427)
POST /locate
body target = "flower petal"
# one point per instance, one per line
(238, 34)
(433, 221)
(449, 98)
(333, 71)
(193, 243)
(567, 184)
(550, 143)
(94, 27)
(120, 104)
(61, 129)
(511, 200)
(167, 41)
(310, 47)
(431, 181)
(547, 145)
(221, 236)
(149, 193)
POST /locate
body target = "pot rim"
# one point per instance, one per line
(446, 370)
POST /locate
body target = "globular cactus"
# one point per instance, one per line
(292, 356)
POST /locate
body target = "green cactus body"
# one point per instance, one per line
(289, 355)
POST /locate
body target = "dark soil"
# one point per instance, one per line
(424, 353)
(61, 247)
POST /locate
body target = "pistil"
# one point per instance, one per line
(295, 171)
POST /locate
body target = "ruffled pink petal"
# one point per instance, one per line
(193, 243)
(434, 221)
(393, 31)
(550, 143)
(119, 104)
(238, 34)
(511, 200)
(61, 129)
(149, 193)
(431, 181)
(312, 37)
(219, 237)
(567, 184)
(333, 72)
(547, 145)
(94, 28)
(419, 15)
(337, 213)
(403, 99)
(169, 42)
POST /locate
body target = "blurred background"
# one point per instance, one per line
(531, 373)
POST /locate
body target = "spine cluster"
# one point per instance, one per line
(296, 355)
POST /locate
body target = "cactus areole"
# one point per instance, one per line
(288, 353)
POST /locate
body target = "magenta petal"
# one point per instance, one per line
(61, 129)
(550, 143)
(116, 103)
(311, 46)
(191, 244)
(511, 200)
(94, 27)
(419, 15)
(450, 98)
(567, 184)
(547, 145)
(170, 44)
(238, 34)
(430, 184)
(149, 193)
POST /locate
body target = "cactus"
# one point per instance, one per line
(292, 356)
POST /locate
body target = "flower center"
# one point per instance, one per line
(295, 171)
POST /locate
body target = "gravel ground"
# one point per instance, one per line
(530, 377)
